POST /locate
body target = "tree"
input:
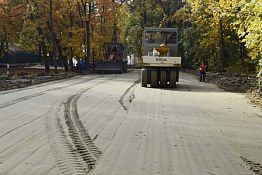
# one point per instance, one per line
(217, 34)
(247, 21)
(11, 14)
(169, 8)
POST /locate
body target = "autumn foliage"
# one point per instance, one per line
(225, 33)
(64, 29)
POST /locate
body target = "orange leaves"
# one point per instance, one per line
(11, 16)
(73, 20)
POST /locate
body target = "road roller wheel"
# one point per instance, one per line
(144, 78)
(173, 79)
(154, 82)
(163, 79)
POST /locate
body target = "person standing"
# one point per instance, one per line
(202, 72)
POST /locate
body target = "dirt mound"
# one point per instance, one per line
(23, 77)
(255, 97)
(232, 82)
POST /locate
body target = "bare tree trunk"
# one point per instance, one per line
(222, 44)
(114, 30)
(55, 59)
(71, 48)
(88, 35)
(114, 35)
(7, 52)
(71, 64)
(46, 60)
(3, 41)
(260, 77)
(54, 39)
(65, 63)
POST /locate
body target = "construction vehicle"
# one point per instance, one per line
(161, 60)
(113, 61)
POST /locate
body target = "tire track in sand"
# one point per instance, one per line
(73, 148)
(28, 97)
(130, 90)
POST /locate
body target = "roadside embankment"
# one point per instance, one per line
(23, 77)
(233, 82)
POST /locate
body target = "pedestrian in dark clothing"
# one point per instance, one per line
(79, 66)
(202, 72)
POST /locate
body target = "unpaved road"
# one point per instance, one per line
(109, 125)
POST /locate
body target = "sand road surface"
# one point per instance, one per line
(110, 125)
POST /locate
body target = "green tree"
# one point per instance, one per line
(211, 30)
